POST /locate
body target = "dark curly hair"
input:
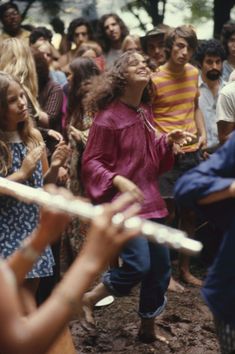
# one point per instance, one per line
(101, 34)
(111, 84)
(228, 30)
(77, 22)
(211, 47)
(39, 32)
(7, 6)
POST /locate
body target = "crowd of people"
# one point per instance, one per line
(135, 124)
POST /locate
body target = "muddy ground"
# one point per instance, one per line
(186, 323)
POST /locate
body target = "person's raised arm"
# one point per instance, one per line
(28, 165)
(36, 333)
(58, 159)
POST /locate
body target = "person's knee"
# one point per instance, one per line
(140, 268)
(136, 259)
(120, 281)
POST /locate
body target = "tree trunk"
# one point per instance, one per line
(222, 11)
(28, 6)
(153, 9)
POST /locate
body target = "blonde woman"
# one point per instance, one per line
(47, 50)
(14, 53)
(22, 159)
(131, 42)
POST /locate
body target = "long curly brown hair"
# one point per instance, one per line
(110, 85)
(101, 33)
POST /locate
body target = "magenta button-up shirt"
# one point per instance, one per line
(121, 143)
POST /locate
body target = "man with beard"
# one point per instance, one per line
(11, 21)
(111, 31)
(210, 55)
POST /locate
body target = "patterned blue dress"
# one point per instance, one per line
(18, 219)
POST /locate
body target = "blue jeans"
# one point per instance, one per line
(145, 262)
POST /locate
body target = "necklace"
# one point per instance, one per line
(141, 112)
(145, 120)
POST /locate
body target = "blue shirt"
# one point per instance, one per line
(207, 104)
(59, 77)
(216, 174)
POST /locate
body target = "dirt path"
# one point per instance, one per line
(186, 323)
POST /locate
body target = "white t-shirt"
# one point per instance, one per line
(225, 109)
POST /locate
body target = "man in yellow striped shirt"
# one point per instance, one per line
(176, 107)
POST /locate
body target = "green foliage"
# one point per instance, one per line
(199, 10)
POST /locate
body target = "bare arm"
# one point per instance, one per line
(57, 160)
(37, 332)
(28, 165)
(43, 119)
(79, 135)
(123, 184)
(220, 195)
(224, 130)
(84, 135)
(200, 124)
(63, 60)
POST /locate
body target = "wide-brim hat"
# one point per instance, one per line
(159, 30)
(154, 32)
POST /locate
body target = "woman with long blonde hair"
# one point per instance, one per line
(14, 55)
(21, 160)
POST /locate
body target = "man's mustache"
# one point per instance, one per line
(214, 71)
(213, 74)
